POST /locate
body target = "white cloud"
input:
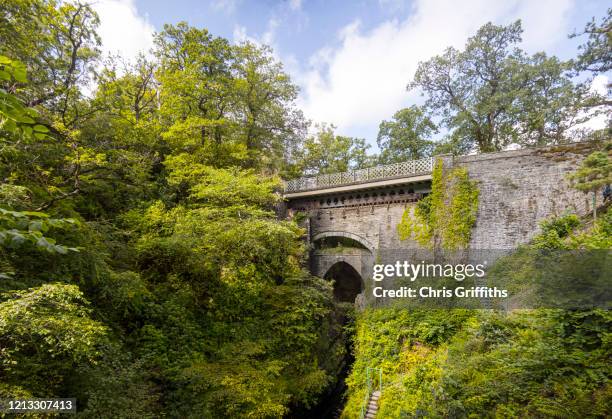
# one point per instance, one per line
(362, 79)
(295, 4)
(227, 6)
(122, 30)
(240, 34)
(598, 118)
(269, 35)
(600, 84)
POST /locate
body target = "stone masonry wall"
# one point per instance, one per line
(518, 189)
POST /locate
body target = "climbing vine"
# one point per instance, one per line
(446, 216)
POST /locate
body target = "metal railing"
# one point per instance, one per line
(370, 377)
(406, 168)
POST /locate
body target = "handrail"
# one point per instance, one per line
(406, 168)
(364, 405)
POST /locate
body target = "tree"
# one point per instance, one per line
(58, 44)
(594, 172)
(129, 90)
(271, 125)
(45, 332)
(596, 53)
(15, 117)
(126, 136)
(240, 303)
(158, 192)
(492, 94)
(325, 152)
(406, 137)
(195, 99)
(548, 103)
(227, 104)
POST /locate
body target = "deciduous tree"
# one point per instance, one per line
(406, 137)
(492, 94)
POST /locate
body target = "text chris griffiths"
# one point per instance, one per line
(429, 292)
(412, 271)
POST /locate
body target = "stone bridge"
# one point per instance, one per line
(352, 217)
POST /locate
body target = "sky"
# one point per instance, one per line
(351, 59)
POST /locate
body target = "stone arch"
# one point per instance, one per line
(348, 283)
(364, 242)
(325, 262)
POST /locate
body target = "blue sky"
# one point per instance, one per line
(351, 59)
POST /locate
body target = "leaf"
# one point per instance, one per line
(35, 214)
(25, 119)
(42, 242)
(17, 238)
(20, 74)
(35, 225)
(9, 125)
(40, 128)
(60, 249)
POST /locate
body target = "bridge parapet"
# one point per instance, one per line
(389, 171)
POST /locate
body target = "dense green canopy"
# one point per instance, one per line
(143, 269)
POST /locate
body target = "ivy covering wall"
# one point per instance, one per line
(443, 219)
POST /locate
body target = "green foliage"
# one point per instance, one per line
(163, 181)
(116, 384)
(564, 233)
(44, 332)
(243, 327)
(484, 364)
(228, 187)
(492, 94)
(595, 54)
(57, 43)
(554, 231)
(326, 152)
(534, 371)
(15, 116)
(18, 228)
(401, 342)
(446, 216)
(523, 363)
(406, 137)
(463, 210)
(187, 297)
(594, 172)
(597, 237)
(414, 223)
(226, 104)
(14, 196)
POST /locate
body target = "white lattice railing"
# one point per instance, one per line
(406, 168)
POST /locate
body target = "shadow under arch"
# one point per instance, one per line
(347, 281)
(341, 234)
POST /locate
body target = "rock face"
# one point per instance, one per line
(518, 189)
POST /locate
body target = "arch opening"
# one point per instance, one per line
(338, 242)
(347, 281)
(344, 239)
